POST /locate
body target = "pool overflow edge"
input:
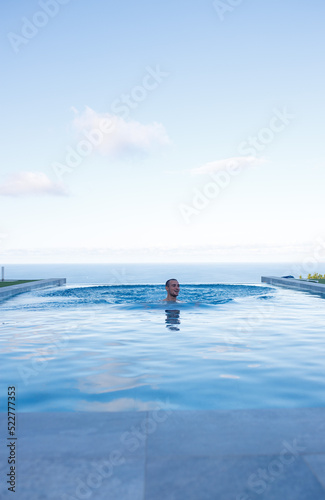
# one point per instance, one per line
(295, 284)
(11, 290)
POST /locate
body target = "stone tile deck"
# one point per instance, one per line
(295, 284)
(168, 455)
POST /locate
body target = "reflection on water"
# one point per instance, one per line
(172, 319)
(119, 349)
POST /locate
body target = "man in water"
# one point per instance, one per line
(172, 287)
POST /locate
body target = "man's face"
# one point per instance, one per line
(173, 288)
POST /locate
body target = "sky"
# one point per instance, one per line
(174, 131)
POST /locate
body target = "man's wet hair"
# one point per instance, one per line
(171, 279)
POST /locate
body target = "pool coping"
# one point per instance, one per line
(11, 290)
(174, 454)
(293, 283)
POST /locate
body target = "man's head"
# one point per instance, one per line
(172, 287)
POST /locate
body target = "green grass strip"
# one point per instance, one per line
(18, 282)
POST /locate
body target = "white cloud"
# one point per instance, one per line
(237, 162)
(123, 136)
(31, 183)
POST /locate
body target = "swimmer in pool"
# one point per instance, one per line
(172, 288)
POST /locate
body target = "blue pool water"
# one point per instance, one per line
(107, 342)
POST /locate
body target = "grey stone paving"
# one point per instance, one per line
(168, 455)
(295, 284)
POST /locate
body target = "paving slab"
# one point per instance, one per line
(230, 478)
(317, 466)
(80, 434)
(269, 454)
(75, 479)
(237, 432)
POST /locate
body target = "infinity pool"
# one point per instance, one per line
(113, 348)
